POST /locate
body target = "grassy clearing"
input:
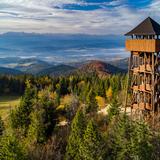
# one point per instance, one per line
(8, 103)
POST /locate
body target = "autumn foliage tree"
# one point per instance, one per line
(109, 93)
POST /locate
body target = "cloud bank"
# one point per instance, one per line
(75, 16)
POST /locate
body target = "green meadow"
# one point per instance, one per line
(7, 103)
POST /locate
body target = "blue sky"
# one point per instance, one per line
(75, 16)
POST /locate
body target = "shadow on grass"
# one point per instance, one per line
(5, 108)
(10, 98)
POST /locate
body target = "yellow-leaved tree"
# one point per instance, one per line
(109, 93)
(101, 101)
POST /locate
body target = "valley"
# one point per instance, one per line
(35, 66)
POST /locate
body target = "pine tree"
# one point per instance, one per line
(11, 149)
(92, 146)
(20, 118)
(91, 102)
(114, 109)
(43, 118)
(75, 138)
(142, 141)
(118, 137)
(128, 140)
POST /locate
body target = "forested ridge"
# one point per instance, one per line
(74, 117)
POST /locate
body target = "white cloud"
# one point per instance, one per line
(41, 16)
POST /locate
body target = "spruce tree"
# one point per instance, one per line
(128, 140)
(75, 138)
(118, 138)
(114, 109)
(20, 118)
(92, 146)
(43, 118)
(91, 102)
(11, 149)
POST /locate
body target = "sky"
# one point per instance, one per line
(98, 17)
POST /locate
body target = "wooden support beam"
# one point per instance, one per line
(153, 87)
(145, 78)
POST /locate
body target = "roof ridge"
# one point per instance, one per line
(152, 24)
(146, 27)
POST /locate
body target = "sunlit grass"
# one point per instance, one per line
(7, 103)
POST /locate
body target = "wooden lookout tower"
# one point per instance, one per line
(144, 67)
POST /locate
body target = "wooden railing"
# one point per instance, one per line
(142, 87)
(143, 45)
(142, 106)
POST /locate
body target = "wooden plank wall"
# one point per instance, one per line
(143, 45)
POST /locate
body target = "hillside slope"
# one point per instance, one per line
(57, 70)
(10, 71)
(101, 68)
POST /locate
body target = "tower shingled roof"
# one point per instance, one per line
(147, 27)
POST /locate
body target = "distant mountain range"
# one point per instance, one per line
(62, 48)
(38, 67)
(58, 70)
(120, 63)
(55, 54)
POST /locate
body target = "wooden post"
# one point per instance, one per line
(153, 88)
(128, 78)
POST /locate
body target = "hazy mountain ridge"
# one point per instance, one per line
(120, 63)
(32, 66)
(61, 48)
(39, 67)
(58, 70)
(9, 71)
(101, 68)
(57, 54)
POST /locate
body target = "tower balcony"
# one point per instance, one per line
(148, 67)
(135, 88)
(142, 68)
(143, 45)
(142, 87)
(135, 69)
(142, 106)
(135, 106)
(148, 87)
(148, 106)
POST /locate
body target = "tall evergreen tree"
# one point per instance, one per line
(92, 146)
(11, 149)
(128, 140)
(43, 118)
(114, 109)
(20, 118)
(75, 138)
(91, 101)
